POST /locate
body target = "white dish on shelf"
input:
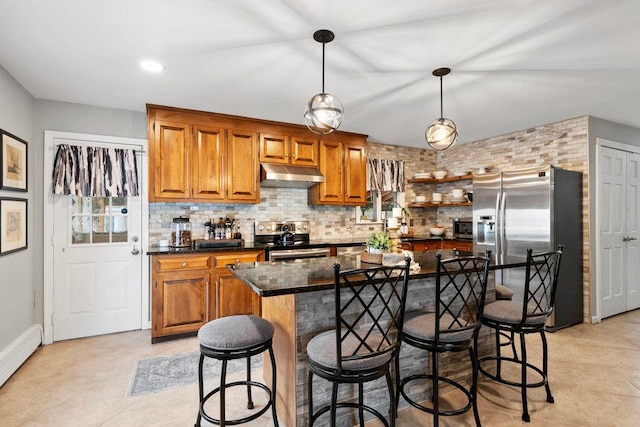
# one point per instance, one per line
(422, 175)
(461, 173)
(457, 199)
(439, 174)
(435, 202)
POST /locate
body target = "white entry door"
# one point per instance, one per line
(619, 230)
(97, 266)
(97, 259)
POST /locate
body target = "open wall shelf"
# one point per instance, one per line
(437, 181)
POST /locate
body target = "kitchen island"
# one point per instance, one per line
(297, 297)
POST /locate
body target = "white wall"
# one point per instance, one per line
(17, 284)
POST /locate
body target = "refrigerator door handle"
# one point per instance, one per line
(501, 229)
(497, 225)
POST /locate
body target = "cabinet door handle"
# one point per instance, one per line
(217, 300)
(206, 301)
(184, 264)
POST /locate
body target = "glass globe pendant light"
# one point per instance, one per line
(442, 133)
(324, 111)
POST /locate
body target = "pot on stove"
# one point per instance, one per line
(286, 238)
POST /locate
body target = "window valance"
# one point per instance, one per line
(386, 175)
(95, 172)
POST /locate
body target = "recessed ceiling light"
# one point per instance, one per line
(152, 66)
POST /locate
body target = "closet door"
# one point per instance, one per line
(632, 244)
(618, 206)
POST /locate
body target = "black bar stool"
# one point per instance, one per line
(461, 285)
(369, 310)
(523, 318)
(229, 338)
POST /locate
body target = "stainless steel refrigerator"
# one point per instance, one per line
(537, 208)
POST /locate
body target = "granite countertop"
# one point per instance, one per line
(320, 243)
(168, 250)
(316, 274)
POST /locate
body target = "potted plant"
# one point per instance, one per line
(379, 242)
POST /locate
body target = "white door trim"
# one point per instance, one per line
(49, 156)
(600, 142)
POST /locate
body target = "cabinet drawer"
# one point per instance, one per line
(231, 258)
(461, 245)
(171, 262)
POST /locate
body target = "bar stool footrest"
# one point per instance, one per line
(495, 377)
(241, 420)
(449, 381)
(369, 409)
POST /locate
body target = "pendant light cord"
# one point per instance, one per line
(441, 113)
(323, 66)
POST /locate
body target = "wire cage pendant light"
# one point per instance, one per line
(441, 133)
(324, 111)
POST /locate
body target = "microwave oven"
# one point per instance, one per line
(463, 228)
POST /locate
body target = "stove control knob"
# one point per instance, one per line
(260, 228)
(305, 226)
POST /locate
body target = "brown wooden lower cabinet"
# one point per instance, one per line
(233, 296)
(190, 290)
(431, 245)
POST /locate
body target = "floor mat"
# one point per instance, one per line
(166, 372)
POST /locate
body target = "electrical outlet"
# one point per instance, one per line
(411, 222)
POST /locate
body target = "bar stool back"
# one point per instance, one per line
(523, 318)
(229, 338)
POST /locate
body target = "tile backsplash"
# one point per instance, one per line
(275, 204)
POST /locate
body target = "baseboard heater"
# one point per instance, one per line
(12, 357)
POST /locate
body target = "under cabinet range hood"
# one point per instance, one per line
(275, 175)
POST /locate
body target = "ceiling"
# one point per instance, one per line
(515, 63)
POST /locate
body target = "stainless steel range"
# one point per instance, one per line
(287, 240)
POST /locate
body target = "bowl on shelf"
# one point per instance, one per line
(421, 199)
(436, 231)
(420, 175)
(439, 174)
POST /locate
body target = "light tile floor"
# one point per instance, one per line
(594, 376)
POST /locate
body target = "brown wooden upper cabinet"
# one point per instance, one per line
(190, 158)
(290, 150)
(344, 166)
(210, 157)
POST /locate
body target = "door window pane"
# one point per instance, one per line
(99, 220)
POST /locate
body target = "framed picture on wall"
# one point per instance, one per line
(13, 225)
(13, 158)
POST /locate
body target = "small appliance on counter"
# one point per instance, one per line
(463, 228)
(180, 233)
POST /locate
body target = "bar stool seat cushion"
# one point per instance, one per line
(502, 292)
(510, 312)
(322, 350)
(422, 325)
(235, 332)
